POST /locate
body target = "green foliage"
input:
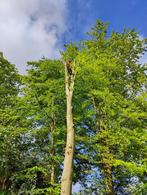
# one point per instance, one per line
(109, 109)
(113, 117)
(9, 82)
(71, 52)
(43, 105)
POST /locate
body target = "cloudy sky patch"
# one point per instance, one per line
(31, 29)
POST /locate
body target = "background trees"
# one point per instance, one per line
(9, 151)
(43, 105)
(116, 81)
(109, 115)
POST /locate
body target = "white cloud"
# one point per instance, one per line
(30, 29)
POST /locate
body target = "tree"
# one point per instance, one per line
(111, 69)
(43, 105)
(9, 89)
(70, 73)
(96, 90)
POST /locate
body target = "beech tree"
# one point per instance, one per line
(111, 69)
(9, 88)
(43, 104)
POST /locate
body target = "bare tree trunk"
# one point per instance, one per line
(66, 181)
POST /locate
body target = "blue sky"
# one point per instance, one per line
(120, 13)
(31, 29)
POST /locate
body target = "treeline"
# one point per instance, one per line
(87, 109)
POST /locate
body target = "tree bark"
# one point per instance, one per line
(66, 181)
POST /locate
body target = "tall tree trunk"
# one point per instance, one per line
(66, 181)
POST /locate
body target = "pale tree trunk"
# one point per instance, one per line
(66, 180)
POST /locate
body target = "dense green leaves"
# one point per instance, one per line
(109, 111)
